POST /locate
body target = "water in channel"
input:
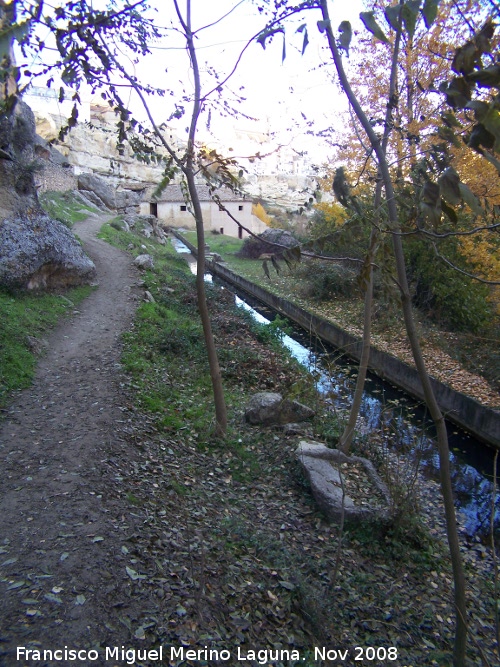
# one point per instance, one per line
(403, 422)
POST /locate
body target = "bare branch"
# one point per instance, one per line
(464, 273)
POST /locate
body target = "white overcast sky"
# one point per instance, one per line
(274, 91)
(277, 94)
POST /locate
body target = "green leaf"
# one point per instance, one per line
(481, 138)
(372, 26)
(392, 15)
(449, 182)
(447, 134)
(491, 121)
(80, 599)
(449, 119)
(470, 199)
(17, 32)
(465, 59)
(480, 108)
(133, 574)
(410, 14)
(16, 584)
(430, 10)
(345, 30)
(488, 77)
(450, 212)
(323, 25)
(458, 92)
(431, 193)
(432, 213)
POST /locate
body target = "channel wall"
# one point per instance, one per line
(469, 414)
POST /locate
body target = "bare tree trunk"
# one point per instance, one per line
(189, 172)
(348, 434)
(442, 436)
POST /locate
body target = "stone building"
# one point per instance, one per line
(172, 210)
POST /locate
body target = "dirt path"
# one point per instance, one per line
(62, 521)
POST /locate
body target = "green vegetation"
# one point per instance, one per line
(65, 207)
(24, 321)
(221, 485)
(165, 353)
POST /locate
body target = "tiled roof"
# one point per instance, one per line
(174, 193)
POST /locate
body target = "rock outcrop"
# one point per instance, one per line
(36, 252)
(269, 408)
(270, 242)
(330, 473)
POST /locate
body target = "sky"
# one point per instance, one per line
(277, 93)
(280, 95)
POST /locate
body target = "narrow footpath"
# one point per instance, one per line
(62, 523)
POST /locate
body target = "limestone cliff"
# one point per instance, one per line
(36, 252)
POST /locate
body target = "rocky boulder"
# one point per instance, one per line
(128, 201)
(144, 262)
(92, 183)
(344, 485)
(268, 408)
(37, 252)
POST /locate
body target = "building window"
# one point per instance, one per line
(240, 207)
(153, 209)
(183, 207)
(221, 231)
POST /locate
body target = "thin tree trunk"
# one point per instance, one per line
(348, 434)
(189, 171)
(442, 436)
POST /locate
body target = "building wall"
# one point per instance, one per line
(54, 177)
(171, 214)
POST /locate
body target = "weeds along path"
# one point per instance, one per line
(62, 520)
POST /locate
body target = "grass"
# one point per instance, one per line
(164, 353)
(24, 316)
(65, 207)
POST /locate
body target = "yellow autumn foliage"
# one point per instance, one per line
(482, 252)
(260, 212)
(334, 214)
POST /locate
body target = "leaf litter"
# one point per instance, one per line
(221, 544)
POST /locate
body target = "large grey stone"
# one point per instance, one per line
(128, 200)
(36, 252)
(93, 199)
(95, 184)
(322, 466)
(268, 408)
(144, 261)
(40, 253)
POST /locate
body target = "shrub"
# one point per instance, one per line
(327, 280)
(449, 297)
